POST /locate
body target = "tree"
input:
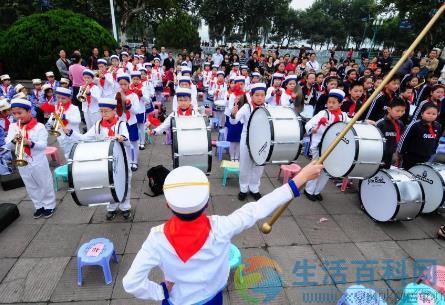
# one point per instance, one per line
(286, 26)
(178, 32)
(31, 44)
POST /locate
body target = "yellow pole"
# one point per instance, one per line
(267, 226)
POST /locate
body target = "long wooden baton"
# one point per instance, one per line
(267, 226)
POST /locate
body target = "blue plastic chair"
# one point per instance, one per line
(102, 259)
(222, 134)
(220, 146)
(227, 172)
(235, 257)
(60, 172)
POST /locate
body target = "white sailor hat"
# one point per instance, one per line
(135, 74)
(186, 190)
(102, 61)
(236, 64)
(244, 67)
(124, 53)
(183, 92)
(142, 70)
(18, 87)
(64, 80)
(257, 87)
(4, 105)
(156, 59)
(337, 93)
(215, 67)
(63, 91)
(88, 72)
(107, 102)
(240, 79)
(21, 102)
(19, 95)
(186, 70)
(232, 78)
(184, 63)
(46, 87)
(4, 77)
(148, 64)
(256, 74)
(220, 72)
(289, 78)
(277, 75)
(184, 79)
(123, 76)
(114, 57)
(206, 63)
(36, 81)
(49, 73)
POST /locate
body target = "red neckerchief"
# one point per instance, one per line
(7, 122)
(431, 130)
(114, 72)
(102, 81)
(127, 102)
(289, 91)
(37, 93)
(352, 108)
(109, 125)
(322, 122)
(5, 89)
(396, 129)
(136, 89)
(65, 107)
(187, 237)
(186, 112)
(51, 84)
(337, 115)
(48, 105)
(28, 126)
(135, 67)
(278, 95)
(89, 95)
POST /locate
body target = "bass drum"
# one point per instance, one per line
(358, 155)
(98, 172)
(191, 142)
(391, 195)
(432, 178)
(274, 135)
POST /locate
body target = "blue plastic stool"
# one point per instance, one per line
(60, 172)
(235, 257)
(102, 259)
(220, 146)
(227, 172)
(222, 134)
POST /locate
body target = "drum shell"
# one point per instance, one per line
(432, 178)
(365, 141)
(408, 192)
(284, 125)
(91, 165)
(191, 147)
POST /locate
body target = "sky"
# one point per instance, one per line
(301, 4)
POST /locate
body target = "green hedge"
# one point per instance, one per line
(178, 32)
(30, 46)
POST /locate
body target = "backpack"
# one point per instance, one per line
(156, 177)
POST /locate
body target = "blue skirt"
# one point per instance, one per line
(133, 132)
(233, 131)
(141, 118)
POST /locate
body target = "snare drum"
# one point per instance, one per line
(358, 155)
(219, 105)
(191, 142)
(274, 134)
(432, 178)
(392, 194)
(98, 172)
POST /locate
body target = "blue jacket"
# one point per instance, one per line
(9, 93)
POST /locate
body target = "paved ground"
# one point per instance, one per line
(315, 260)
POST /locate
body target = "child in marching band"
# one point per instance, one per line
(331, 82)
(6, 89)
(90, 107)
(137, 88)
(64, 82)
(46, 104)
(51, 80)
(219, 92)
(250, 173)
(274, 92)
(105, 81)
(108, 127)
(315, 127)
(289, 96)
(127, 66)
(157, 74)
(36, 175)
(185, 82)
(186, 71)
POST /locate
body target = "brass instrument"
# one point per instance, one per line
(57, 123)
(82, 95)
(19, 147)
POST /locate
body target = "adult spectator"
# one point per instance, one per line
(242, 58)
(432, 61)
(197, 61)
(76, 76)
(169, 62)
(363, 66)
(313, 64)
(92, 61)
(163, 55)
(385, 62)
(253, 63)
(217, 58)
(107, 56)
(63, 64)
(83, 61)
(154, 53)
(406, 66)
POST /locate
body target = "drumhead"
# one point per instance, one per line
(379, 196)
(431, 176)
(118, 171)
(341, 160)
(191, 142)
(259, 135)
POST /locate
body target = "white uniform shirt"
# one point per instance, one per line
(271, 97)
(243, 116)
(231, 103)
(167, 122)
(109, 88)
(96, 94)
(286, 99)
(134, 109)
(207, 271)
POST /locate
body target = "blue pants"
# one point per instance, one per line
(217, 300)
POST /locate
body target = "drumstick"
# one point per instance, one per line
(267, 226)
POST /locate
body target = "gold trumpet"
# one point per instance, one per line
(82, 95)
(57, 123)
(19, 148)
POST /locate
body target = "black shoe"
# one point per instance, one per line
(256, 196)
(48, 213)
(38, 213)
(126, 214)
(141, 147)
(319, 197)
(309, 196)
(134, 167)
(242, 196)
(110, 215)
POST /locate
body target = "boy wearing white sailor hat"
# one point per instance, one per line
(185, 82)
(127, 66)
(191, 248)
(106, 80)
(109, 126)
(90, 107)
(289, 96)
(51, 80)
(36, 175)
(274, 92)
